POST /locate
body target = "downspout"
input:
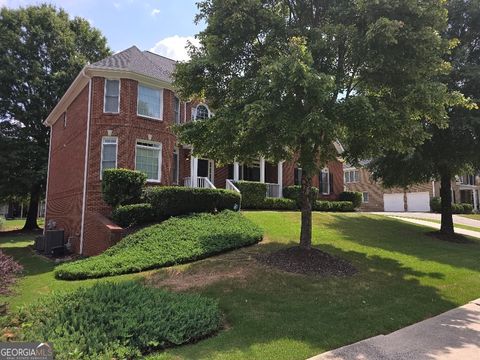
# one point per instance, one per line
(87, 145)
(48, 176)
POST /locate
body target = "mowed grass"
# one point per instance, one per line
(17, 224)
(404, 277)
(457, 226)
(472, 216)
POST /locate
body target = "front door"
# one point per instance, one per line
(205, 169)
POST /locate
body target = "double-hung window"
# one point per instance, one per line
(325, 182)
(297, 176)
(148, 159)
(109, 153)
(150, 102)
(176, 109)
(111, 102)
(351, 176)
(365, 197)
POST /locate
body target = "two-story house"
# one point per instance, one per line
(118, 113)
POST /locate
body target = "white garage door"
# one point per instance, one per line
(419, 201)
(393, 202)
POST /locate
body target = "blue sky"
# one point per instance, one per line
(162, 26)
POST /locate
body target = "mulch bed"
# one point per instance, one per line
(307, 261)
(455, 238)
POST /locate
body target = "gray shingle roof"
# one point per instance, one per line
(140, 62)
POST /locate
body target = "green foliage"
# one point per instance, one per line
(122, 186)
(333, 206)
(175, 241)
(278, 204)
(175, 200)
(135, 214)
(294, 192)
(118, 320)
(353, 196)
(253, 193)
(2, 222)
(462, 208)
(43, 50)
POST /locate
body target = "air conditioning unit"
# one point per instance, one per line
(54, 239)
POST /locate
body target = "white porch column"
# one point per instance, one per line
(236, 171)
(193, 170)
(262, 169)
(475, 205)
(280, 178)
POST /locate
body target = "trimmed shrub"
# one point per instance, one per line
(118, 321)
(253, 193)
(122, 186)
(279, 204)
(462, 208)
(135, 214)
(2, 223)
(354, 197)
(294, 192)
(175, 241)
(169, 201)
(333, 206)
(9, 270)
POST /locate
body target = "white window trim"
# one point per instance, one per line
(326, 171)
(101, 153)
(65, 120)
(179, 110)
(159, 180)
(195, 112)
(363, 197)
(161, 102)
(350, 172)
(105, 96)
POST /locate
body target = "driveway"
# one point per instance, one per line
(454, 335)
(430, 216)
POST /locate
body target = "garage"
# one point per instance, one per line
(393, 202)
(418, 202)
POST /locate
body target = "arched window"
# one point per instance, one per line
(202, 112)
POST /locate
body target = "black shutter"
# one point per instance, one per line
(320, 183)
(331, 182)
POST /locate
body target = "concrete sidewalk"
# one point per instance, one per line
(475, 234)
(457, 219)
(454, 335)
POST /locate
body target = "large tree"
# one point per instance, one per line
(42, 51)
(455, 149)
(286, 78)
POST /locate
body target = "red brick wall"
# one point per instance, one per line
(66, 169)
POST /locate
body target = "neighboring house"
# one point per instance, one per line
(118, 114)
(465, 189)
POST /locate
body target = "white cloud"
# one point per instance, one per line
(117, 5)
(155, 12)
(174, 47)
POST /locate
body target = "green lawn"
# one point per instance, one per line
(472, 216)
(17, 224)
(404, 277)
(459, 226)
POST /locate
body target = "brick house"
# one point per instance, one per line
(465, 189)
(118, 113)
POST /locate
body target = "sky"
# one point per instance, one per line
(161, 26)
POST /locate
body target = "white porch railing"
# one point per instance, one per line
(229, 185)
(202, 182)
(273, 190)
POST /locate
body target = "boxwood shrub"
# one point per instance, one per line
(279, 204)
(175, 241)
(333, 206)
(294, 192)
(135, 214)
(122, 186)
(354, 196)
(253, 193)
(118, 321)
(169, 201)
(462, 208)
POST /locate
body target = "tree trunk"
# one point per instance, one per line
(306, 209)
(31, 223)
(446, 196)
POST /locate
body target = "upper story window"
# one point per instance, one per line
(351, 176)
(201, 112)
(109, 154)
(150, 102)
(176, 109)
(111, 103)
(325, 182)
(467, 180)
(148, 159)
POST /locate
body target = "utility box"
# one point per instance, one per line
(53, 239)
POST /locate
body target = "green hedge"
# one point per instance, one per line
(2, 222)
(253, 193)
(175, 200)
(136, 214)
(333, 206)
(294, 192)
(122, 186)
(279, 204)
(353, 196)
(462, 208)
(175, 241)
(118, 321)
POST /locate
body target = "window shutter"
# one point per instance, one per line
(330, 182)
